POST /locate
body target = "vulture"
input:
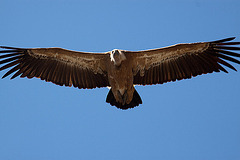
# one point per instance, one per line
(120, 70)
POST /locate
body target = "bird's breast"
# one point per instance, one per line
(120, 77)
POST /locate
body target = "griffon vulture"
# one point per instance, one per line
(120, 69)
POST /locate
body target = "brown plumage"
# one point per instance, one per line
(119, 69)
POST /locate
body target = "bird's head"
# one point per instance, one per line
(117, 57)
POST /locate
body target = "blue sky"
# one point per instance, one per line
(190, 119)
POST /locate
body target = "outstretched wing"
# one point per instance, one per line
(60, 66)
(182, 61)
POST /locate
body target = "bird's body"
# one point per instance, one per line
(119, 69)
(120, 78)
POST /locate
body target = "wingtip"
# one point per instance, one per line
(230, 38)
(224, 40)
(6, 47)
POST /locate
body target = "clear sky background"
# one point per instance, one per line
(190, 119)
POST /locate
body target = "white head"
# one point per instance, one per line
(117, 57)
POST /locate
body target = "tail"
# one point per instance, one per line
(135, 101)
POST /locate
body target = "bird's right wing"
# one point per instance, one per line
(57, 65)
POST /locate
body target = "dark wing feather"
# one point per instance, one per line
(182, 61)
(60, 66)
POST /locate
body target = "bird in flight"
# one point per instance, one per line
(120, 69)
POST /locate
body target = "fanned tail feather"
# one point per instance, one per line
(135, 101)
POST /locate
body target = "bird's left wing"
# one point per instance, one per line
(182, 61)
(57, 65)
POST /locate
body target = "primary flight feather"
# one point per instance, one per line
(120, 69)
